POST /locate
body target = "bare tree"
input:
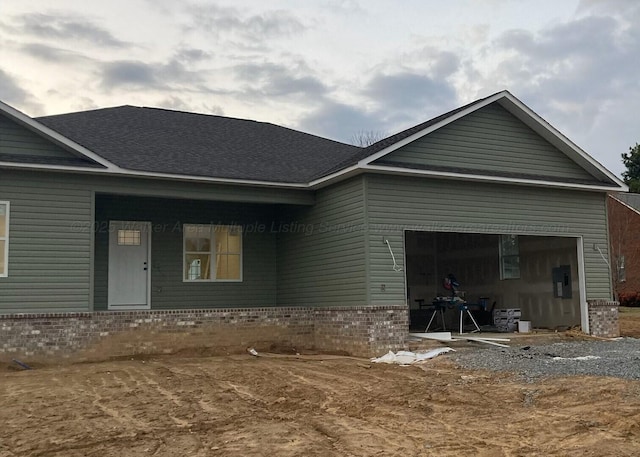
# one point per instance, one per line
(365, 138)
(625, 244)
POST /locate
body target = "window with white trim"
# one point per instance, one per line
(4, 239)
(509, 257)
(212, 252)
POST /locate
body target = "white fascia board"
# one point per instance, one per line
(142, 174)
(426, 131)
(554, 136)
(334, 177)
(486, 178)
(526, 115)
(54, 136)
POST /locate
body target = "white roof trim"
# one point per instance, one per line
(32, 124)
(521, 110)
(337, 176)
(508, 101)
(144, 174)
(556, 135)
(431, 128)
(486, 178)
(625, 204)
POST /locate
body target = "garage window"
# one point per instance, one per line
(509, 257)
(4, 239)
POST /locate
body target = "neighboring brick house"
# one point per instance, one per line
(624, 221)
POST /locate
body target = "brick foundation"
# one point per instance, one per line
(603, 318)
(358, 330)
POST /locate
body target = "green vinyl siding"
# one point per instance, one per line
(167, 216)
(321, 249)
(18, 140)
(51, 239)
(395, 204)
(489, 139)
(49, 256)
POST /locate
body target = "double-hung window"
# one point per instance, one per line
(509, 257)
(212, 252)
(4, 239)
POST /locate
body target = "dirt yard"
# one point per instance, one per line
(311, 405)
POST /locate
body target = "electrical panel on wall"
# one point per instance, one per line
(562, 281)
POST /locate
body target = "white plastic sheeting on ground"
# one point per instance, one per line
(407, 357)
(583, 357)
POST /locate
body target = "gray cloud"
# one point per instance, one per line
(61, 27)
(397, 101)
(125, 73)
(12, 93)
(584, 63)
(577, 73)
(409, 91)
(340, 122)
(138, 74)
(276, 80)
(232, 21)
(191, 55)
(51, 54)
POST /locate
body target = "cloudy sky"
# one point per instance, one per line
(332, 67)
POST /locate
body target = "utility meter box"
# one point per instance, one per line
(562, 281)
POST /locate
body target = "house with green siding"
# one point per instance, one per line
(157, 229)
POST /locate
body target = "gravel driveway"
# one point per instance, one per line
(618, 358)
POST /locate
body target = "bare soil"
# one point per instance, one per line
(311, 405)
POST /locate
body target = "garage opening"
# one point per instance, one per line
(536, 275)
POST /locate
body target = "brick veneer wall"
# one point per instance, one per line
(603, 318)
(361, 330)
(624, 238)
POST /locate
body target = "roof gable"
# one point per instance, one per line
(490, 141)
(602, 179)
(158, 143)
(21, 145)
(26, 142)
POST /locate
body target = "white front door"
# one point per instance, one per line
(129, 265)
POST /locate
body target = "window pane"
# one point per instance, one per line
(197, 231)
(3, 267)
(234, 241)
(510, 267)
(509, 244)
(228, 266)
(197, 266)
(222, 238)
(197, 244)
(129, 237)
(197, 238)
(3, 220)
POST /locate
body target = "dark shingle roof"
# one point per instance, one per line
(45, 160)
(393, 139)
(175, 142)
(631, 199)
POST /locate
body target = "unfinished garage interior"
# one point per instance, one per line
(539, 275)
